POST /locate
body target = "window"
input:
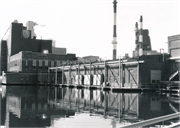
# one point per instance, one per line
(46, 63)
(52, 63)
(40, 63)
(34, 62)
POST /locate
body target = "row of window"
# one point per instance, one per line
(40, 63)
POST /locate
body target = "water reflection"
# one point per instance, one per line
(28, 106)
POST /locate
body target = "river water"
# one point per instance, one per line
(39, 106)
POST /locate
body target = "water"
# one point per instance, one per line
(39, 106)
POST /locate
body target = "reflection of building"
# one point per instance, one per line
(49, 106)
(29, 107)
(22, 52)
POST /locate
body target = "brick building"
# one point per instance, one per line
(24, 56)
(26, 61)
(3, 55)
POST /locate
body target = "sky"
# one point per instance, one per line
(85, 27)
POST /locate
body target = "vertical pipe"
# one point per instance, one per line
(141, 37)
(114, 42)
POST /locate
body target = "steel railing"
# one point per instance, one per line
(152, 121)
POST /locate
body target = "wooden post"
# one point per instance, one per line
(78, 73)
(48, 76)
(90, 75)
(70, 76)
(138, 75)
(119, 72)
(63, 75)
(123, 75)
(56, 76)
(105, 73)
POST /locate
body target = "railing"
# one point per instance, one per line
(152, 121)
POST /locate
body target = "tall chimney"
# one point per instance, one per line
(141, 37)
(114, 42)
(136, 36)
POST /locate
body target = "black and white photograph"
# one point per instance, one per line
(90, 63)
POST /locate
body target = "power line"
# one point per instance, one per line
(5, 33)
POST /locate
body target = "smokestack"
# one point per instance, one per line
(136, 37)
(114, 42)
(141, 37)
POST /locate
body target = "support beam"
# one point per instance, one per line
(105, 73)
(138, 75)
(78, 73)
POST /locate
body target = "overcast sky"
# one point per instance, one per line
(85, 27)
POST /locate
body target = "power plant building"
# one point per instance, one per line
(23, 54)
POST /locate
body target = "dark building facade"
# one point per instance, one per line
(3, 55)
(17, 42)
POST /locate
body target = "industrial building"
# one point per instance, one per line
(146, 67)
(23, 55)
